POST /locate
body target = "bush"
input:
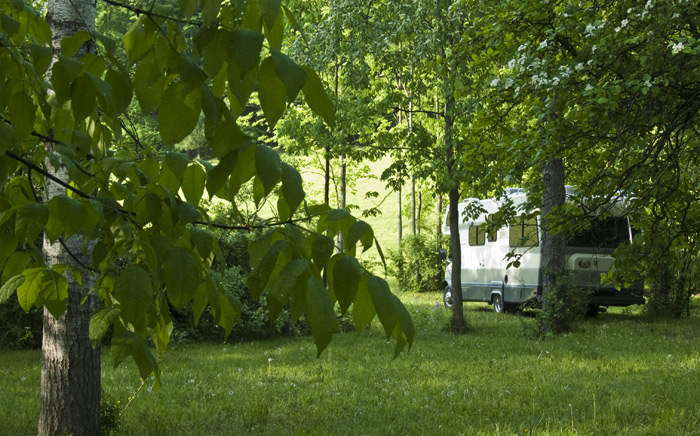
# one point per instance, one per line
(417, 264)
(19, 329)
(254, 321)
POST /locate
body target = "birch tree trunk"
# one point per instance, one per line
(70, 370)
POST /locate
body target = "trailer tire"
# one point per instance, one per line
(592, 310)
(447, 296)
(497, 301)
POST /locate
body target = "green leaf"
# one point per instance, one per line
(65, 217)
(137, 42)
(133, 291)
(293, 76)
(269, 10)
(125, 344)
(10, 287)
(245, 50)
(15, 265)
(30, 221)
(346, 280)
(71, 44)
(381, 298)
(54, 292)
(178, 113)
(9, 25)
(316, 97)
(321, 250)
(292, 187)
(286, 285)
(187, 213)
(268, 167)
(210, 10)
(228, 311)
(180, 276)
(122, 89)
(100, 323)
(221, 172)
(8, 245)
(193, 183)
(272, 92)
(28, 291)
(21, 112)
(261, 275)
(177, 162)
(82, 96)
(404, 332)
(320, 313)
(7, 138)
(360, 230)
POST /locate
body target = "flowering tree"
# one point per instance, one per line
(610, 88)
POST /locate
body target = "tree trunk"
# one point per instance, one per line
(419, 208)
(70, 373)
(553, 265)
(413, 204)
(327, 176)
(70, 367)
(343, 195)
(455, 247)
(400, 223)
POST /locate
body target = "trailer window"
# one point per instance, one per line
(605, 233)
(523, 232)
(477, 235)
(491, 229)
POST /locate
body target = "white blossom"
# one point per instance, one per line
(511, 63)
(522, 47)
(589, 87)
(589, 29)
(543, 44)
(647, 83)
(508, 83)
(494, 83)
(677, 47)
(579, 66)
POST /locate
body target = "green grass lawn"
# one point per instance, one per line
(620, 373)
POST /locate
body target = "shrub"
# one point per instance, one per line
(417, 264)
(254, 321)
(19, 329)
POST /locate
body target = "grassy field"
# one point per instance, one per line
(619, 374)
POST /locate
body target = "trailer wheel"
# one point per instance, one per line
(592, 310)
(497, 301)
(447, 296)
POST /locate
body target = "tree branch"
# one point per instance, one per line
(150, 13)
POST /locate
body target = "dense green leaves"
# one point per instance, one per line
(133, 209)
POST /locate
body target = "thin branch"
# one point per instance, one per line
(46, 174)
(149, 13)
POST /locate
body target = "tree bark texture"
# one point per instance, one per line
(455, 247)
(70, 374)
(552, 260)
